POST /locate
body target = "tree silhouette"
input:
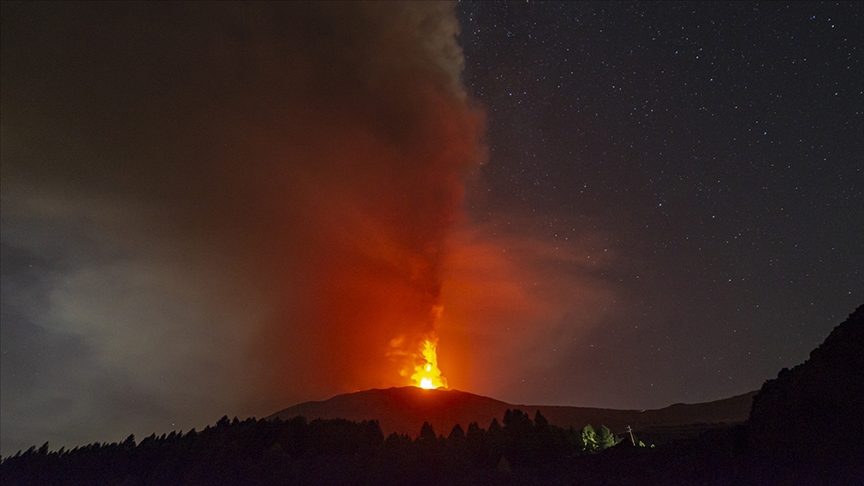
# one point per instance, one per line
(494, 428)
(540, 421)
(456, 433)
(427, 433)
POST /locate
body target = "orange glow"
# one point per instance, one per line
(426, 373)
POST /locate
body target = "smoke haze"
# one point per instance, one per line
(224, 208)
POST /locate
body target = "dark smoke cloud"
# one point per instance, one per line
(231, 206)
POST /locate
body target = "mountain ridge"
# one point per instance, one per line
(404, 409)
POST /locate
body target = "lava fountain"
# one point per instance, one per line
(426, 373)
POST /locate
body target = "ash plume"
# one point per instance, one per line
(238, 204)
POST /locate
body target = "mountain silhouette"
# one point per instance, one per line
(403, 410)
(813, 413)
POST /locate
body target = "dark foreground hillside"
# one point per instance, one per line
(810, 419)
(804, 428)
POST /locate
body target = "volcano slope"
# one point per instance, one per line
(404, 410)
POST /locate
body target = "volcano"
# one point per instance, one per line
(403, 410)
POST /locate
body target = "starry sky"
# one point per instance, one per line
(715, 150)
(218, 209)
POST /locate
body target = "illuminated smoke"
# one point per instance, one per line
(266, 189)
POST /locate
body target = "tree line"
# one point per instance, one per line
(320, 451)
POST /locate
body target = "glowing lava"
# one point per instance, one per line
(426, 373)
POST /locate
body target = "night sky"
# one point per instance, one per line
(216, 209)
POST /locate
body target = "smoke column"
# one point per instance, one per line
(235, 206)
(375, 198)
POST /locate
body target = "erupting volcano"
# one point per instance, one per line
(427, 374)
